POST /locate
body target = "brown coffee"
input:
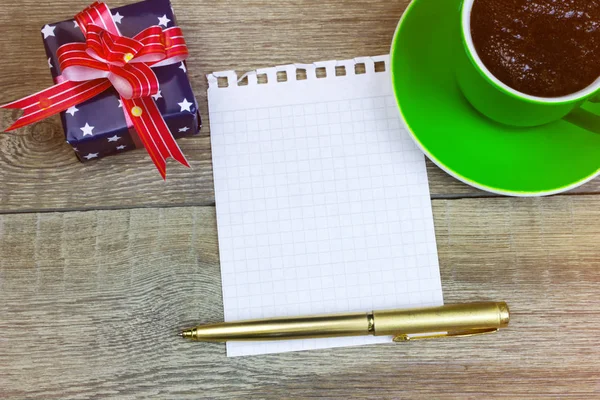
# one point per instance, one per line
(546, 48)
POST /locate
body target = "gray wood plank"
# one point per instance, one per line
(39, 170)
(91, 303)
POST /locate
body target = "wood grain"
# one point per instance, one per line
(91, 303)
(40, 171)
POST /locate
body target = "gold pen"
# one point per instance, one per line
(449, 320)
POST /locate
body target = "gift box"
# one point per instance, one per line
(99, 127)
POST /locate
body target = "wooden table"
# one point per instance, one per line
(101, 264)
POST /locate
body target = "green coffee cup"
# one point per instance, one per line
(503, 104)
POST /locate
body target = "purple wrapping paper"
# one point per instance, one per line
(103, 115)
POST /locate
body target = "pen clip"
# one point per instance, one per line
(403, 337)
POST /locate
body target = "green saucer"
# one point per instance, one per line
(497, 158)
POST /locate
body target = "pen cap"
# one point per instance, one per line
(449, 318)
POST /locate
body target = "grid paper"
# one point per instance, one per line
(322, 200)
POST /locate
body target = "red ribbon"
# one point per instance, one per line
(108, 59)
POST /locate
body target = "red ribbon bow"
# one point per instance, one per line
(108, 59)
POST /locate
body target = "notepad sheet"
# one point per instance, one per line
(322, 199)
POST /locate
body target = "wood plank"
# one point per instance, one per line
(40, 171)
(91, 303)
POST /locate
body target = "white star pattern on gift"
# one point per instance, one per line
(87, 130)
(164, 20)
(185, 105)
(72, 110)
(75, 149)
(184, 129)
(120, 103)
(75, 25)
(50, 63)
(114, 138)
(48, 31)
(90, 156)
(117, 18)
(182, 67)
(121, 147)
(157, 95)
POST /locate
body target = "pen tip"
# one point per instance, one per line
(180, 334)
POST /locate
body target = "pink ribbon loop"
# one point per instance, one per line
(125, 62)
